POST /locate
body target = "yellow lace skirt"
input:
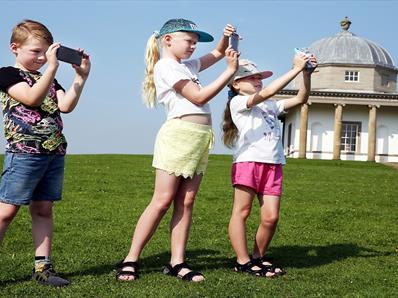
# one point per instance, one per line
(182, 148)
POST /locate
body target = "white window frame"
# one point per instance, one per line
(351, 76)
(350, 136)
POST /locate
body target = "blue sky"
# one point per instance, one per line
(111, 118)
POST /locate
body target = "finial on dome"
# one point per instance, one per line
(345, 24)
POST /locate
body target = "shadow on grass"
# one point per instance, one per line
(314, 256)
(14, 281)
(206, 259)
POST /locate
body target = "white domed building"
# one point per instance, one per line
(352, 111)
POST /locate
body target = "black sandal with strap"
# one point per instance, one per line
(175, 271)
(120, 271)
(248, 268)
(277, 269)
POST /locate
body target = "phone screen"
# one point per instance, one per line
(234, 41)
(69, 55)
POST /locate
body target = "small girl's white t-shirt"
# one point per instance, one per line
(167, 72)
(260, 135)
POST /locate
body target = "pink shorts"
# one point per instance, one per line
(263, 178)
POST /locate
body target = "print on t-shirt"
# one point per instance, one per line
(272, 129)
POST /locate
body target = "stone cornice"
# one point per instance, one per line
(357, 98)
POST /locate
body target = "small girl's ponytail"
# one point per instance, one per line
(230, 131)
(152, 55)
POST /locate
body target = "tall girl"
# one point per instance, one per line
(183, 142)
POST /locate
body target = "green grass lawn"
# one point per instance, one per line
(337, 236)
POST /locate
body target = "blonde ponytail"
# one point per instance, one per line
(152, 55)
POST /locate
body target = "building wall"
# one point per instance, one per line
(387, 134)
(383, 75)
(333, 77)
(370, 79)
(320, 132)
(293, 117)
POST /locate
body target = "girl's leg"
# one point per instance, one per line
(182, 217)
(166, 186)
(181, 221)
(42, 226)
(269, 213)
(7, 214)
(243, 199)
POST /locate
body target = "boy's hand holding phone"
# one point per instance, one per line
(69, 55)
(84, 69)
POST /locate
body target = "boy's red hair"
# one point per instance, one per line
(22, 31)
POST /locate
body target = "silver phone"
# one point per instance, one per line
(234, 41)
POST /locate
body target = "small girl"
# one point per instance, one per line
(251, 127)
(183, 142)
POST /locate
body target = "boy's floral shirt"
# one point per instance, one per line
(35, 130)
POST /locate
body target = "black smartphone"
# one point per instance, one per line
(69, 55)
(234, 41)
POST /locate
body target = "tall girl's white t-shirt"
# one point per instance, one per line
(260, 135)
(167, 72)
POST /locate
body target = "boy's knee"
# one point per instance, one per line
(41, 209)
(42, 213)
(7, 215)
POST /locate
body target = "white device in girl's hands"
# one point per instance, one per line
(306, 52)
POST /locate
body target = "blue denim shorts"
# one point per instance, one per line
(27, 177)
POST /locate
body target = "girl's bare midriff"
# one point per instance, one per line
(204, 119)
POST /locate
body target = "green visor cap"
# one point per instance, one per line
(175, 25)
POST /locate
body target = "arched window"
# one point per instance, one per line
(382, 140)
(316, 137)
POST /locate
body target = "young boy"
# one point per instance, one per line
(34, 158)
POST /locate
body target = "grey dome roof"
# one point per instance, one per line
(347, 48)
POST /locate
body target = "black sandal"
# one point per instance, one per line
(120, 271)
(248, 268)
(175, 271)
(277, 269)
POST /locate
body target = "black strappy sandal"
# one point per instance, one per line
(248, 268)
(277, 269)
(120, 271)
(175, 271)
